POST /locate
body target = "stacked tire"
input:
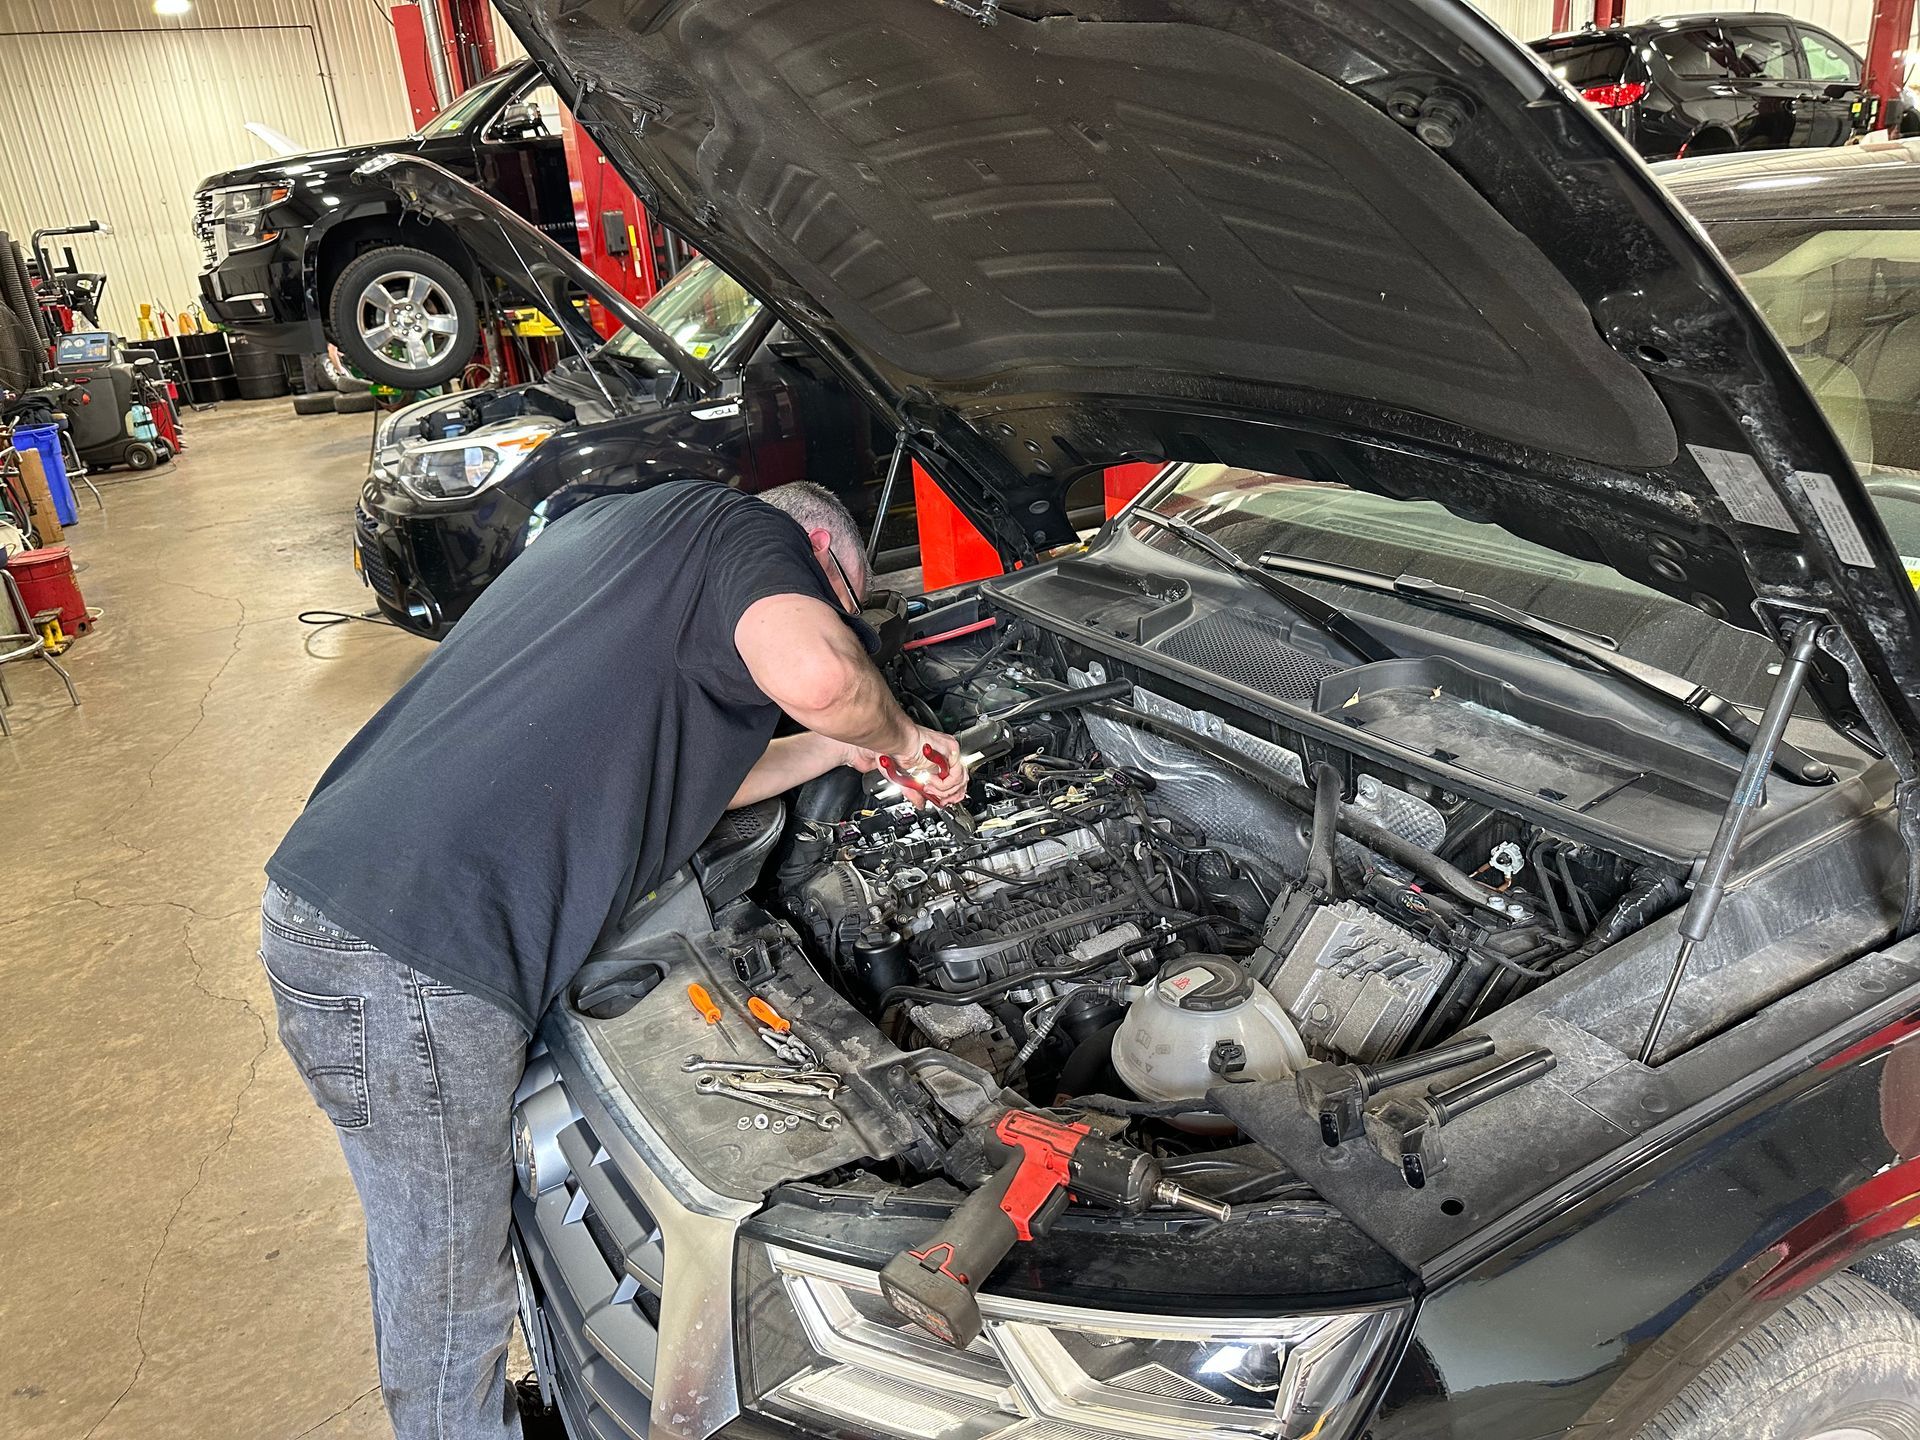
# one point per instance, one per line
(325, 389)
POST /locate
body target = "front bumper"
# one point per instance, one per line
(261, 292)
(426, 566)
(627, 1265)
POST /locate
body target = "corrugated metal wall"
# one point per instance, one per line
(506, 42)
(353, 39)
(1529, 19)
(126, 112)
(126, 143)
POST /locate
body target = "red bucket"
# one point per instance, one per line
(46, 582)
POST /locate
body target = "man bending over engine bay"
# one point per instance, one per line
(568, 747)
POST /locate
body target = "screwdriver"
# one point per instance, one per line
(710, 1012)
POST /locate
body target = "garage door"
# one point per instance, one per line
(122, 125)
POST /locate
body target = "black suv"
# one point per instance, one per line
(1708, 84)
(297, 250)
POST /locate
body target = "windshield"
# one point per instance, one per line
(702, 309)
(461, 113)
(1845, 301)
(1251, 512)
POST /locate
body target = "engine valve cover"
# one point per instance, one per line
(1357, 984)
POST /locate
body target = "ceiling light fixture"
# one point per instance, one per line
(172, 7)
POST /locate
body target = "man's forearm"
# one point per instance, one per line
(805, 660)
(865, 714)
(789, 761)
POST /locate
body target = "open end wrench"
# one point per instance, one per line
(696, 1064)
(716, 1085)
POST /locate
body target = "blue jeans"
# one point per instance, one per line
(418, 1079)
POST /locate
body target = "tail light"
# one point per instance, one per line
(1615, 96)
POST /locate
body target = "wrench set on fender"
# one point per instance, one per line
(792, 1072)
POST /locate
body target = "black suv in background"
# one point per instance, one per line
(297, 250)
(1708, 84)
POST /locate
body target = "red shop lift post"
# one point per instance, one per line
(1886, 67)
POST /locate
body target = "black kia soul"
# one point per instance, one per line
(1503, 571)
(1710, 84)
(297, 250)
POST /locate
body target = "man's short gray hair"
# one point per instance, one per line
(817, 508)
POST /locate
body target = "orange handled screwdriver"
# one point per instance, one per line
(709, 1012)
(768, 1016)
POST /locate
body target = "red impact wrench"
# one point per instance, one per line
(1039, 1162)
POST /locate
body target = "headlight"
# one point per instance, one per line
(824, 1350)
(455, 469)
(242, 213)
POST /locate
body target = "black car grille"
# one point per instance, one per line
(597, 1257)
(1252, 652)
(203, 229)
(373, 559)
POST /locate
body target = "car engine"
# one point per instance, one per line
(1138, 900)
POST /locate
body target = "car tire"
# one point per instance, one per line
(1842, 1359)
(419, 303)
(356, 403)
(319, 402)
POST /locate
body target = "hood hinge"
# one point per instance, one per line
(987, 12)
(1889, 741)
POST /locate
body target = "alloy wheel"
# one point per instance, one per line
(408, 318)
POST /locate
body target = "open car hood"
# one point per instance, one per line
(1373, 242)
(525, 261)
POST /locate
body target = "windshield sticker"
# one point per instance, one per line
(1848, 543)
(1742, 487)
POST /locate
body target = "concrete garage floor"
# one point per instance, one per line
(181, 1247)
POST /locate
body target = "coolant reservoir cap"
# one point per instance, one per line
(1202, 984)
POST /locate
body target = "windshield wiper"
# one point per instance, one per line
(1330, 619)
(1597, 650)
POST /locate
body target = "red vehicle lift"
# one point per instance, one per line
(446, 46)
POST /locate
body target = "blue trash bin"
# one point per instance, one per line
(46, 439)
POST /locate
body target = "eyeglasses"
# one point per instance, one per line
(853, 595)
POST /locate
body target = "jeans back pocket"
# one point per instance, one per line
(327, 1037)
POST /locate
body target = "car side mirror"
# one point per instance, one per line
(519, 120)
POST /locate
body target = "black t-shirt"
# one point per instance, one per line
(569, 745)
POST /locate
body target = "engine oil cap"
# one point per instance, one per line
(1203, 984)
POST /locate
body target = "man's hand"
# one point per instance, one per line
(949, 789)
(795, 759)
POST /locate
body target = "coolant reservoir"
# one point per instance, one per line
(1165, 1046)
